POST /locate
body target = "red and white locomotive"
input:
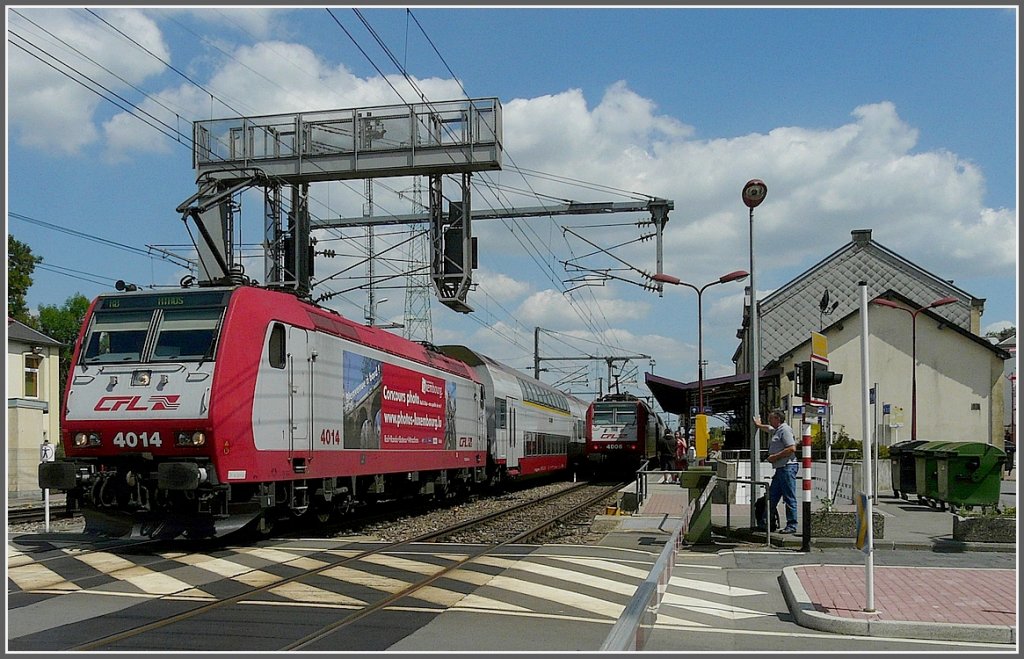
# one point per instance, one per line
(622, 432)
(198, 411)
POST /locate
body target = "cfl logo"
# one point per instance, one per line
(135, 404)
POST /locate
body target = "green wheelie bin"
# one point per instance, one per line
(968, 474)
(926, 472)
(901, 464)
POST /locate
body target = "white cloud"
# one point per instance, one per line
(48, 109)
(499, 286)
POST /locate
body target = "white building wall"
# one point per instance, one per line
(954, 375)
(29, 420)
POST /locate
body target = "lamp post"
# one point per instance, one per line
(754, 193)
(669, 279)
(942, 301)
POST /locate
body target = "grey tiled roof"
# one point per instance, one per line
(790, 314)
(19, 331)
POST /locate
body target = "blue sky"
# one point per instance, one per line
(899, 120)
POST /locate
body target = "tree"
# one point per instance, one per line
(20, 265)
(62, 324)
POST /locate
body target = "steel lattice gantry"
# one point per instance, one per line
(295, 150)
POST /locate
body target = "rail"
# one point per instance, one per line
(631, 631)
(728, 503)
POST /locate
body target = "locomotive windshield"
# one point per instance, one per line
(615, 413)
(154, 328)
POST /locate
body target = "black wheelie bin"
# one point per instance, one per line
(901, 464)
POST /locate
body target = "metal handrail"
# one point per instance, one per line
(728, 503)
(630, 631)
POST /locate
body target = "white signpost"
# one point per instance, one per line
(46, 454)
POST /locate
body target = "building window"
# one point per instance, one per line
(32, 363)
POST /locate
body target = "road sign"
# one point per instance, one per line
(47, 452)
(819, 345)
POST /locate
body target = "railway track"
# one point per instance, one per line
(36, 514)
(518, 524)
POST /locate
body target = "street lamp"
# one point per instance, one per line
(669, 279)
(754, 193)
(942, 301)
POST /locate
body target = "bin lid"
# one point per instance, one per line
(906, 446)
(928, 448)
(953, 449)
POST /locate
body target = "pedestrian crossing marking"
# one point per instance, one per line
(362, 578)
(283, 557)
(17, 558)
(405, 564)
(558, 596)
(145, 579)
(148, 581)
(301, 592)
(104, 562)
(221, 566)
(469, 576)
(666, 619)
(610, 566)
(710, 608)
(36, 577)
(712, 587)
(573, 576)
(570, 569)
(257, 578)
(194, 593)
(441, 596)
(474, 601)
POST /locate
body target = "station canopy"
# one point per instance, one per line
(724, 395)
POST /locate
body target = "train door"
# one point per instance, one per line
(515, 437)
(300, 398)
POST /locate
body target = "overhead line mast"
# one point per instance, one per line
(293, 150)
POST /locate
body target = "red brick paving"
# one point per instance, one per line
(914, 594)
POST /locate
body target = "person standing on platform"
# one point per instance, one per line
(666, 451)
(681, 456)
(782, 456)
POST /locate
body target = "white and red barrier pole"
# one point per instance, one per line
(808, 487)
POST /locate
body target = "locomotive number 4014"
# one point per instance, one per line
(330, 436)
(134, 440)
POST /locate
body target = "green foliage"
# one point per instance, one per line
(840, 443)
(987, 511)
(62, 324)
(20, 265)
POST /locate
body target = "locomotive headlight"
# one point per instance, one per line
(186, 438)
(141, 378)
(87, 439)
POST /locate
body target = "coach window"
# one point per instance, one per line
(32, 363)
(277, 347)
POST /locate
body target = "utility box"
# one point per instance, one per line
(724, 491)
(696, 480)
